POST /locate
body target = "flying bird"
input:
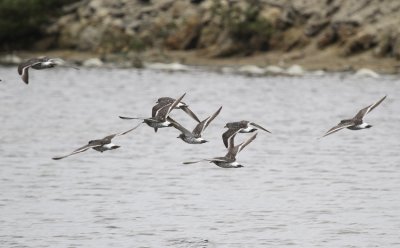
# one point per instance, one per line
(39, 64)
(229, 160)
(194, 137)
(159, 117)
(162, 101)
(240, 127)
(99, 145)
(357, 122)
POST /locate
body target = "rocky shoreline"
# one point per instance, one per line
(174, 64)
(331, 35)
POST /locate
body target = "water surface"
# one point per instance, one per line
(294, 191)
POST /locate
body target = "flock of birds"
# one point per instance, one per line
(160, 118)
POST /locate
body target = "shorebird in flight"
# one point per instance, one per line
(241, 127)
(229, 160)
(194, 137)
(99, 145)
(357, 122)
(160, 115)
(39, 64)
(162, 101)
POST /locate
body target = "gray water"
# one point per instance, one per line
(293, 191)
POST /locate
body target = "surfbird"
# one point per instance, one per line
(99, 145)
(357, 122)
(39, 64)
(194, 137)
(241, 127)
(160, 115)
(229, 160)
(168, 100)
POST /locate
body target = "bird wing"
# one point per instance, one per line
(210, 160)
(338, 127)
(110, 137)
(229, 136)
(157, 108)
(258, 126)
(360, 115)
(28, 63)
(131, 118)
(165, 100)
(187, 110)
(164, 111)
(79, 150)
(237, 124)
(234, 150)
(24, 67)
(198, 130)
(244, 144)
(25, 75)
(178, 126)
(193, 162)
(173, 105)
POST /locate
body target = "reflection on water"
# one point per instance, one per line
(295, 190)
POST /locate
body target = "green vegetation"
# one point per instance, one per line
(21, 21)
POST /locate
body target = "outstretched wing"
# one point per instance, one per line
(24, 67)
(187, 110)
(194, 162)
(338, 127)
(234, 150)
(28, 63)
(164, 111)
(79, 150)
(131, 118)
(157, 108)
(258, 126)
(237, 124)
(178, 126)
(110, 137)
(360, 115)
(229, 135)
(209, 160)
(173, 105)
(244, 144)
(198, 130)
(165, 100)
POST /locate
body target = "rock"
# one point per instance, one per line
(388, 43)
(251, 70)
(272, 15)
(313, 28)
(365, 72)
(295, 70)
(90, 37)
(337, 32)
(273, 69)
(227, 70)
(318, 73)
(10, 59)
(93, 62)
(187, 36)
(361, 42)
(167, 67)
